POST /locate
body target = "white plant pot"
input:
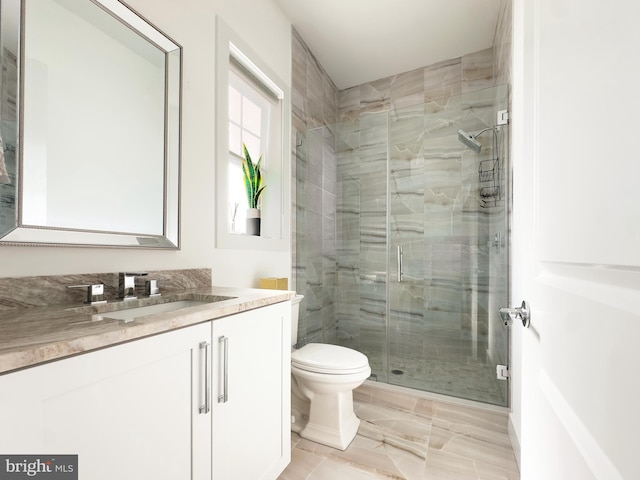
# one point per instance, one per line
(253, 221)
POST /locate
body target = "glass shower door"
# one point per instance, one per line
(361, 231)
(447, 255)
(408, 350)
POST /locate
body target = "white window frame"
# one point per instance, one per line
(276, 197)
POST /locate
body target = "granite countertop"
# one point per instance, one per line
(40, 334)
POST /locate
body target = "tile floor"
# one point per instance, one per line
(474, 380)
(407, 436)
(444, 361)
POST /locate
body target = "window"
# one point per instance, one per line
(250, 113)
(252, 108)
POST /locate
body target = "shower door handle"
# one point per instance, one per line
(399, 263)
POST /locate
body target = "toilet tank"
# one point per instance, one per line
(295, 311)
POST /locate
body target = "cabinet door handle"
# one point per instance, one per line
(206, 406)
(224, 367)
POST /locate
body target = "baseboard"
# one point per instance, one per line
(515, 441)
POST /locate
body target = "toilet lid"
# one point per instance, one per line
(323, 358)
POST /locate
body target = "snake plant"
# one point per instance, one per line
(252, 178)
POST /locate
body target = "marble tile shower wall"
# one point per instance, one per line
(314, 192)
(361, 232)
(434, 213)
(502, 44)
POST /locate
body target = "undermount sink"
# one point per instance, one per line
(130, 314)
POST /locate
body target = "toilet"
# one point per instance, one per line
(323, 378)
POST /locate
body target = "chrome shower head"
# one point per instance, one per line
(469, 140)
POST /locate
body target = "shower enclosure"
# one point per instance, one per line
(401, 242)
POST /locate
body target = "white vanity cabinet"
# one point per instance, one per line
(138, 410)
(131, 411)
(252, 394)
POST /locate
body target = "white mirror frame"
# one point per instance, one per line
(170, 238)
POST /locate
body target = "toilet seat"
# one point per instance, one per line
(329, 359)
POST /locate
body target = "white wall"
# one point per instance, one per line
(191, 23)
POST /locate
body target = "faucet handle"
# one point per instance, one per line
(127, 284)
(94, 293)
(151, 288)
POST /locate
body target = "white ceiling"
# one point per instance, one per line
(357, 41)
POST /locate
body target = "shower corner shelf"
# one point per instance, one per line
(488, 172)
(490, 196)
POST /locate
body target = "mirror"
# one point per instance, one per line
(92, 146)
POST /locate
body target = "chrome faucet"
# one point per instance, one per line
(127, 285)
(94, 292)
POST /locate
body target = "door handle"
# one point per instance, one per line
(206, 406)
(224, 369)
(400, 273)
(522, 313)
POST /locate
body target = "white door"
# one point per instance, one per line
(576, 238)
